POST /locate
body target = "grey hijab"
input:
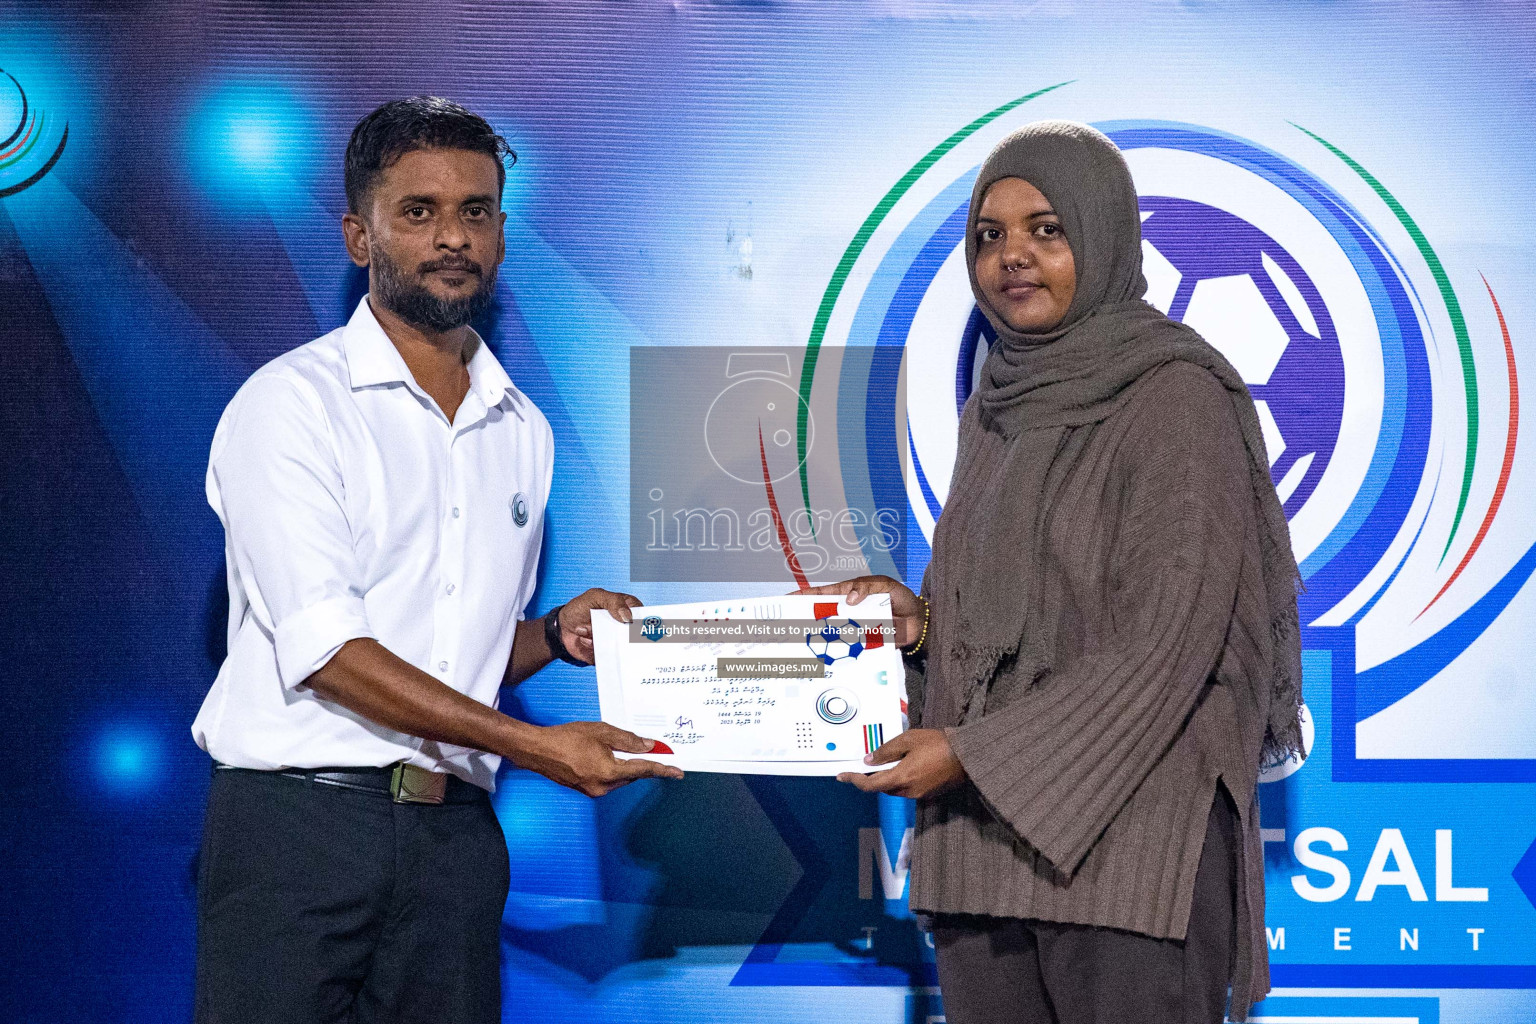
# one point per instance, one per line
(983, 584)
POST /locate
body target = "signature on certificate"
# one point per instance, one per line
(684, 723)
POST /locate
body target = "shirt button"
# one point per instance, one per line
(442, 666)
(451, 588)
(455, 511)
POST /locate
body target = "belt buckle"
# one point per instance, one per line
(410, 784)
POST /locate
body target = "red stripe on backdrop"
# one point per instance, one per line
(778, 521)
(1509, 452)
(23, 140)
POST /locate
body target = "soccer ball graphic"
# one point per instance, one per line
(828, 644)
(1252, 299)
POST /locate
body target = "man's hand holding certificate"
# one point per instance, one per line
(793, 685)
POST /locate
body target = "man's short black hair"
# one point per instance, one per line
(421, 122)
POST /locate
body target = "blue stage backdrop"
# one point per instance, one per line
(1337, 195)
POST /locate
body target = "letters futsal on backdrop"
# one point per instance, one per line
(1361, 362)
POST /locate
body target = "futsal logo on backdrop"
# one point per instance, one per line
(1339, 345)
(1350, 355)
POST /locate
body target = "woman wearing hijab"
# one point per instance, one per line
(1106, 645)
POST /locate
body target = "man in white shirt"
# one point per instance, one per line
(382, 491)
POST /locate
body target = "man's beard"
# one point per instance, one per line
(405, 296)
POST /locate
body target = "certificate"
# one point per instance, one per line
(795, 685)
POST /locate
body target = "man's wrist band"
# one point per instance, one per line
(552, 637)
(927, 610)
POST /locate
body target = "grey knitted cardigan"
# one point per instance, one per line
(1113, 595)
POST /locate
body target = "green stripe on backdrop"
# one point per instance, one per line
(856, 248)
(1452, 307)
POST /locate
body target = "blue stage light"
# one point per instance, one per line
(126, 757)
(552, 839)
(248, 138)
(525, 176)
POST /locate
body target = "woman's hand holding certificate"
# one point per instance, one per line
(921, 765)
(908, 611)
(920, 761)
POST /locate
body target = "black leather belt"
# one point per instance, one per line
(403, 783)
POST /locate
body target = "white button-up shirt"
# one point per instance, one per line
(353, 508)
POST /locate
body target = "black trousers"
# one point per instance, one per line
(317, 903)
(996, 970)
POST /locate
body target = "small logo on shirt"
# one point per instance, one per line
(520, 509)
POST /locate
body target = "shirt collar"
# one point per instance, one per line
(373, 359)
(488, 377)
